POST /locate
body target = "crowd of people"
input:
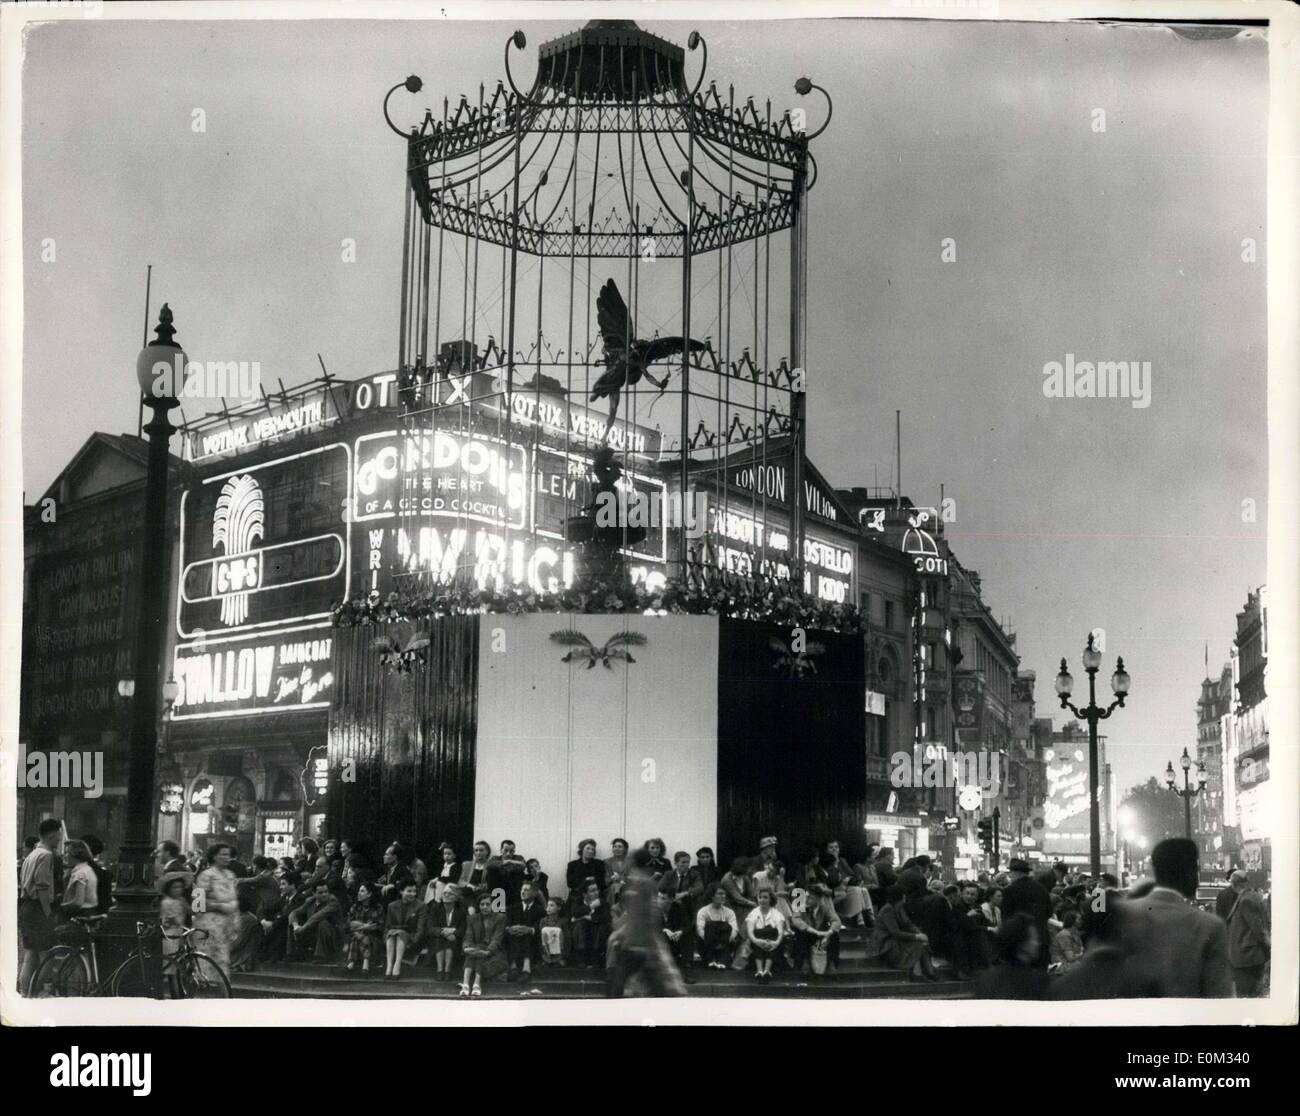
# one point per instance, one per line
(496, 917)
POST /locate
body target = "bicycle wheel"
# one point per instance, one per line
(201, 978)
(74, 976)
(45, 981)
(129, 980)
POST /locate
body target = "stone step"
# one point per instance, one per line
(307, 981)
(862, 969)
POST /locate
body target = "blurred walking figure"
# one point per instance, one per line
(1184, 949)
(637, 946)
(1020, 976)
(1249, 942)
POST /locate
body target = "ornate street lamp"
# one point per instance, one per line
(1092, 713)
(160, 370)
(1187, 791)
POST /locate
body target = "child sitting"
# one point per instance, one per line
(554, 933)
(365, 927)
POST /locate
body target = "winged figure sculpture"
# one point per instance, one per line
(626, 355)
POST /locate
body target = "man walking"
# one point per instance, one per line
(1183, 949)
(1025, 895)
(1249, 943)
(36, 899)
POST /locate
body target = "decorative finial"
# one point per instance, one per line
(413, 84)
(164, 328)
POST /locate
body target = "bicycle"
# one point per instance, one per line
(72, 969)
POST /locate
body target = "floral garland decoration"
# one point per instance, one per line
(778, 603)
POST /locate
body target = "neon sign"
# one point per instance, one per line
(270, 672)
(244, 561)
(441, 473)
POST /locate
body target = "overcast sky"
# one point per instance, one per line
(1117, 245)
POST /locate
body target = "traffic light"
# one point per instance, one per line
(985, 827)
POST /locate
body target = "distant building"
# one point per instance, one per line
(1246, 753)
(1213, 706)
(81, 559)
(964, 668)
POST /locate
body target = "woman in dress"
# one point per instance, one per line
(220, 906)
(366, 922)
(484, 950)
(404, 929)
(767, 929)
(446, 929)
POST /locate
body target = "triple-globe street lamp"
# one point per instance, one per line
(1092, 713)
(1188, 790)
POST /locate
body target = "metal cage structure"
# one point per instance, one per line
(522, 208)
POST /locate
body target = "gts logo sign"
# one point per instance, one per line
(238, 574)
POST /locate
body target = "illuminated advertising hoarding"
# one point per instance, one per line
(738, 539)
(264, 546)
(262, 672)
(469, 508)
(441, 474)
(1065, 813)
(275, 420)
(550, 416)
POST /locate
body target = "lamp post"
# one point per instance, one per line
(1187, 791)
(1092, 713)
(159, 370)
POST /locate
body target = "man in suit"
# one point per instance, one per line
(1183, 949)
(523, 917)
(1249, 942)
(1025, 895)
(1227, 898)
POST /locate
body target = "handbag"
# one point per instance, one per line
(817, 959)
